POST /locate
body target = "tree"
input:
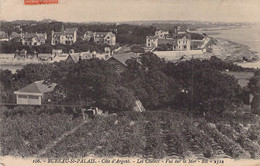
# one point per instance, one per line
(255, 105)
(148, 82)
(31, 73)
(84, 81)
(7, 86)
(254, 87)
(116, 99)
(214, 91)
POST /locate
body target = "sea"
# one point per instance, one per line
(247, 35)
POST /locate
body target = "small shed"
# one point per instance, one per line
(33, 94)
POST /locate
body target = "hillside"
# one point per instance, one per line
(156, 134)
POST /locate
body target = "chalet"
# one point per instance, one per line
(34, 93)
(152, 41)
(33, 39)
(87, 36)
(3, 36)
(104, 38)
(68, 36)
(183, 42)
(119, 60)
(15, 35)
(161, 33)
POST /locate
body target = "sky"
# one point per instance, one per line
(134, 10)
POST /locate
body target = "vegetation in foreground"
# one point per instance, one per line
(25, 130)
(159, 134)
(155, 134)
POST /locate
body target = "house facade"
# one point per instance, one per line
(151, 41)
(104, 38)
(183, 42)
(33, 94)
(161, 33)
(66, 37)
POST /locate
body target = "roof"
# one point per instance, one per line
(122, 58)
(101, 33)
(83, 55)
(71, 29)
(196, 36)
(152, 37)
(60, 57)
(41, 36)
(15, 35)
(38, 87)
(198, 43)
(29, 35)
(3, 34)
(63, 33)
(89, 33)
(180, 36)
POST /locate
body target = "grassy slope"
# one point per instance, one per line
(161, 134)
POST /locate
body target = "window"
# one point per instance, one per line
(22, 96)
(33, 97)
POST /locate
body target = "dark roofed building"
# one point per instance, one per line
(33, 93)
(119, 60)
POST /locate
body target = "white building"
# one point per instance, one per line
(161, 33)
(151, 41)
(33, 93)
(104, 38)
(67, 37)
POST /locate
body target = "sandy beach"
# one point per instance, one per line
(233, 52)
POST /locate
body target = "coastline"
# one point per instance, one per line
(231, 51)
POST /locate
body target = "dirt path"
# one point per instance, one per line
(53, 143)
